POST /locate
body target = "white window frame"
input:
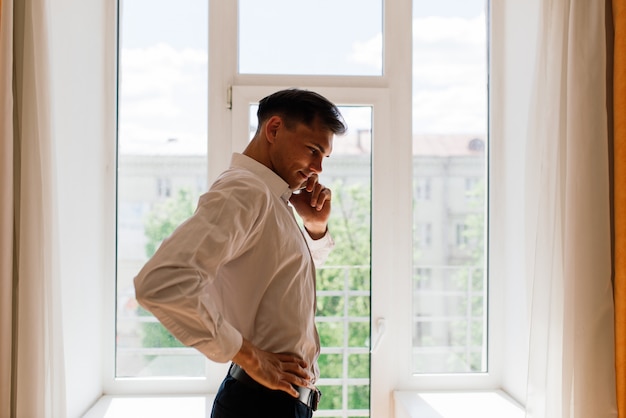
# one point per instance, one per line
(391, 269)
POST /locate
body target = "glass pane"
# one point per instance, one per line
(323, 37)
(343, 283)
(161, 164)
(449, 186)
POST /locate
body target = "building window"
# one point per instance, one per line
(164, 187)
(423, 235)
(461, 235)
(422, 188)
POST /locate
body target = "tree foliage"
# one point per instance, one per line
(163, 219)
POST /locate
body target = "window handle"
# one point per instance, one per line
(381, 327)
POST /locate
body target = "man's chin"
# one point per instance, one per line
(298, 187)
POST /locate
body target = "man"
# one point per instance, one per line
(237, 279)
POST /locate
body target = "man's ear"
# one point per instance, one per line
(271, 128)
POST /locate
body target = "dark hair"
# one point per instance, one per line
(301, 106)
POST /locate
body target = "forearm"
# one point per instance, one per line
(316, 231)
(247, 356)
(179, 301)
(273, 370)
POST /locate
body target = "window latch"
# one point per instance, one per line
(381, 327)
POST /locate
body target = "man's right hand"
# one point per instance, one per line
(275, 371)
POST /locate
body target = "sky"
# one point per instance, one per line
(164, 61)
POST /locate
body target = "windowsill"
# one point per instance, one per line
(479, 404)
(166, 406)
(492, 404)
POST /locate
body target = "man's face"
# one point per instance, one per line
(297, 153)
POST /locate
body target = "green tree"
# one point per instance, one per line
(159, 224)
(165, 217)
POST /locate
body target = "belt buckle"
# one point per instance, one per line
(316, 395)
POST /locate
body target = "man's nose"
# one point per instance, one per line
(316, 165)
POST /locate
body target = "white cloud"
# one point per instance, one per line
(456, 109)
(163, 94)
(164, 90)
(449, 75)
(368, 52)
(449, 29)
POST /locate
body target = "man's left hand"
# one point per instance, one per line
(312, 203)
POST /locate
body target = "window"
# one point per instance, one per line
(461, 235)
(331, 40)
(423, 235)
(161, 165)
(164, 187)
(449, 132)
(422, 188)
(409, 302)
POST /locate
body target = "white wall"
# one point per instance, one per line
(82, 36)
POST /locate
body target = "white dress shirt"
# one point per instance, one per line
(239, 267)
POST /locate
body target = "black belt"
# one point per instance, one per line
(309, 397)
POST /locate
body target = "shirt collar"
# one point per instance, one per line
(276, 184)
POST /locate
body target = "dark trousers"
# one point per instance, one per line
(236, 399)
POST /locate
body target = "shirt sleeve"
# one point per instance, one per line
(175, 284)
(320, 248)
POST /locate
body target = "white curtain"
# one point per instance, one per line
(571, 361)
(31, 352)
